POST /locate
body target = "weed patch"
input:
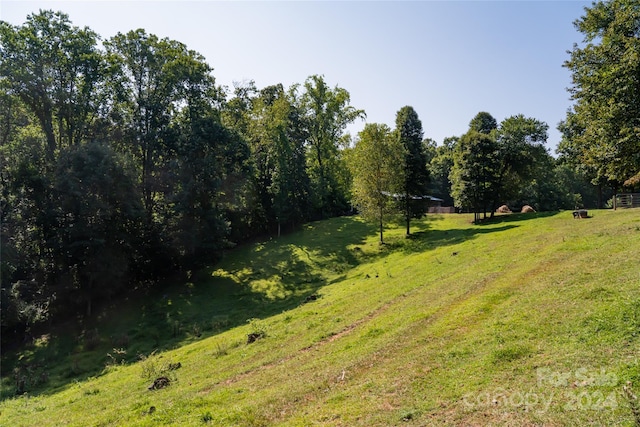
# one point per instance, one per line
(258, 330)
(509, 354)
(149, 366)
(616, 320)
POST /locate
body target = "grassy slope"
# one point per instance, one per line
(530, 320)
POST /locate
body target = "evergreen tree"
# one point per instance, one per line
(414, 174)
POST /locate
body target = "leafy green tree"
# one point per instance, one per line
(155, 77)
(327, 113)
(440, 167)
(376, 164)
(57, 71)
(573, 154)
(246, 213)
(543, 188)
(475, 160)
(414, 174)
(603, 128)
(493, 166)
(574, 187)
(272, 122)
(207, 162)
(99, 216)
(473, 172)
(277, 138)
(27, 222)
(290, 188)
(483, 122)
(237, 111)
(520, 151)
(51, 77)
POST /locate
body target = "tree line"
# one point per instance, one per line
(124, 161)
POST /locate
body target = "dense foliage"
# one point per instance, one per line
(507, 164)
(601, 133)
(123, 161)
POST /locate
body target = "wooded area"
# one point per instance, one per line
(125, 163)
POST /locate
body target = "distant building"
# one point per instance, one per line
(433, 204)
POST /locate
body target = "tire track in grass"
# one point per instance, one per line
(329, 339)
(437, 314)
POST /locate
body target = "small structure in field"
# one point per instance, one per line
(429, 201)
(527, 209)
(580, 213)
(504, 209)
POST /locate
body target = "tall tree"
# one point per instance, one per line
(603, 127)
(474, 167)
(246, 213)
(277, 140)
(206, 167)
(473, 172)
(376, 162)
(327, 113)
(519, 151)
(414, 175)
(439, 169)
(27, 222)
(57, 71)
(155, 78)
(99, 216)
(483, 122)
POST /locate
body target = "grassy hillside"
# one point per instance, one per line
(528, 320)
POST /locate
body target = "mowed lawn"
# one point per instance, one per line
(530, 319)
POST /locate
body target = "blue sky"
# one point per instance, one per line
(447, 59)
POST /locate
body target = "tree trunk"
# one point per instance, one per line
(407, 214)
(600, 196)
(381, 238)
(321, 178)
(47, 127)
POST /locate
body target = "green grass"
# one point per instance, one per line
(527, 320)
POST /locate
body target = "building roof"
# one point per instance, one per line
(402, 196)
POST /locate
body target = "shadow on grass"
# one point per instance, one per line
(254, 281)
(516, 217)
(425, 240)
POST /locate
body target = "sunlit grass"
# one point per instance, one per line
(529, 319)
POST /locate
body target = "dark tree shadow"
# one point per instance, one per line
(190, 306)
(254, 281)
(516, 217)
(426, 240)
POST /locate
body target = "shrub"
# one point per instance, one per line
(149, 365)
